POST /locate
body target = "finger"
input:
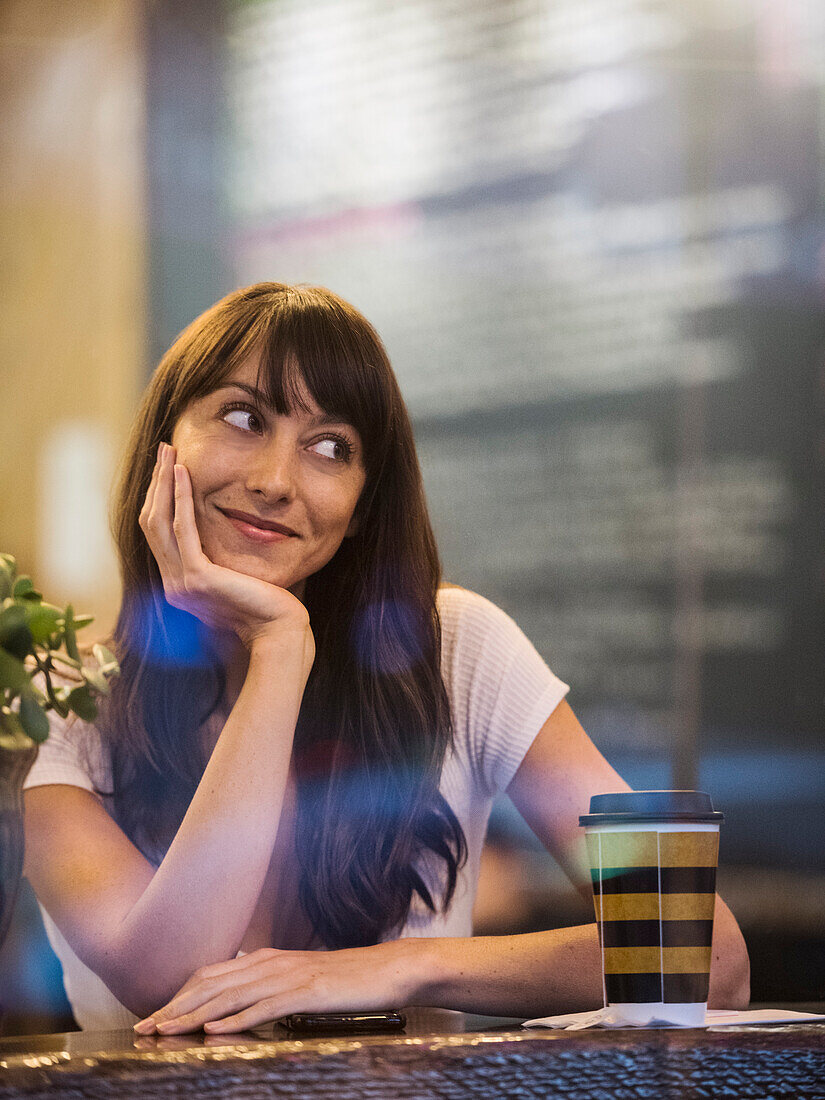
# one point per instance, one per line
(185, 528)
(262, 1012)
(209, 982)
(149, 499)
(218, 996)
(228, 966)
(232, 1000)
(164, 510)
(158, 525)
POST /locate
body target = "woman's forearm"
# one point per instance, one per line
(544, 973)
(199, 902)
(524, 975)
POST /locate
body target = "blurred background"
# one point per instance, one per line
(592, 236)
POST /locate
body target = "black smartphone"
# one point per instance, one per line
(341, 1022)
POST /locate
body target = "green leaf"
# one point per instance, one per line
(11, 614)
(42, 621)
(12, 736)
(81, 702)
(103, 656)
(36, 693)
(14, 742)
(15, 636)
(106, 660)
(21, 585)
(93, 677)
(10, 723)
(13, 675)
(71, 639)
(8, 567)
(83, 620)
(32, 718)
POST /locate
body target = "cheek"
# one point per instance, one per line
(189, 448)
(207, 464)
(334, 512)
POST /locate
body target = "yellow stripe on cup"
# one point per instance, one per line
(648, 960)
(689, 849)
(643, 849)
(623, 849)
(646, 907)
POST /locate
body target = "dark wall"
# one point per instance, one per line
(185, 104)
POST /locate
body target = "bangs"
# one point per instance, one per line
(311, 345)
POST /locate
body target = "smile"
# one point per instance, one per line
(273, 533)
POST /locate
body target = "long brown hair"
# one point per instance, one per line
(374, 725)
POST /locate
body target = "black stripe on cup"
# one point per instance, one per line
(647, 988)
(645, 880)
(645, 933)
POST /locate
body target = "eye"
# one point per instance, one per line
(335, 447)
(243, 410)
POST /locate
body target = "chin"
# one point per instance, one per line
(251, 564)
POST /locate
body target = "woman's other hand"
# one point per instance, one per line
(222, 598)
(268, 984)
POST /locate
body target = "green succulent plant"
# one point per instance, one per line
(37, 637)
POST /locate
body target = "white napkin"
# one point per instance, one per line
(714, 1017)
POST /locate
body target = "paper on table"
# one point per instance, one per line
(715, 1017)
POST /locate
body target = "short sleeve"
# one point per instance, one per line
(501, 690)
(71, 754)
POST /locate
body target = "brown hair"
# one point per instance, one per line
(374, 725)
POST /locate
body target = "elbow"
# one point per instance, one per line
(144, 982)
(741, 985)
(139, 1008)
(141, 993)
(732, 988)
(140, 999)
(730, 976)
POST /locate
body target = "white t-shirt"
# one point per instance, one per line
(501, 693)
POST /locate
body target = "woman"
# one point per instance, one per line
(308, 731)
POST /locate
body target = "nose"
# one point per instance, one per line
(272, 471)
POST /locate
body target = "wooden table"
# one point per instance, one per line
(441, 1054)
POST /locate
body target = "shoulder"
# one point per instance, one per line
(501, 690)
(459, 608)
(480, 642)
(472, 624)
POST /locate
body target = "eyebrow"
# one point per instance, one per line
(260, 397)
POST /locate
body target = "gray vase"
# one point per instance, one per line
(14, 767)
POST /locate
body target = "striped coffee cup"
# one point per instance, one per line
(653, 857)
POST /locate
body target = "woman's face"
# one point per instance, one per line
(303, 472)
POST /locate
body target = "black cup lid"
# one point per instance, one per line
(630, 807)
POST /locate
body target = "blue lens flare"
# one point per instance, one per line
(170, 636)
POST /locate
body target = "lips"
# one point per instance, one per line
(256, 521)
